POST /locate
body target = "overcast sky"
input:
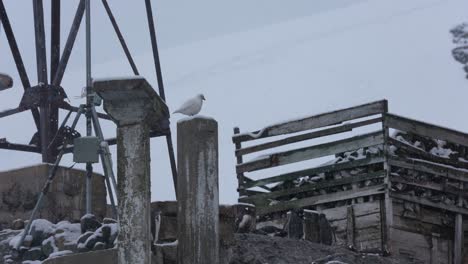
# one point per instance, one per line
(259, 62)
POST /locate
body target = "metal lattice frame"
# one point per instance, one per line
(47, 97)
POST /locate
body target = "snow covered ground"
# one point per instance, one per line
(277, 61)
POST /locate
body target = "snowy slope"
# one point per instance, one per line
(399, 50)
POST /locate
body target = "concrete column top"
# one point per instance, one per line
(131, 100)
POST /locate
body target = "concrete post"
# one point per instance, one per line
(135, 107)
(197, 187)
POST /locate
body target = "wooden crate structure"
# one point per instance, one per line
(380, 192)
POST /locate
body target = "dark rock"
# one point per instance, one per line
(82, 239)
(48, 246)
(17, 224)
(34, 253)
(41, 229)
(92, 240)
(106, 233)
(89, 222)
(109, 221)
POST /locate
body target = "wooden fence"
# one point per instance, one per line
(370, 167)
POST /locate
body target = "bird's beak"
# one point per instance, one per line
(203, 98)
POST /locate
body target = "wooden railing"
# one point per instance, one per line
(319, 127)
(387, 167)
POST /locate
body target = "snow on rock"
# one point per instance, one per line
(60, 253)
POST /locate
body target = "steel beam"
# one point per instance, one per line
(41, 61)
(157, 64)
(54, 62)
(69, 44)
(19, 147)
(120, 36)
(17, 57)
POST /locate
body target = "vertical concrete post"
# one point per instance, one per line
(136, 108)
(197, 187)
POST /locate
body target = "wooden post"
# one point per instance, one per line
(386, 205)
(435, 249)
(240, 176)
(458, 236)
(197, 186)
(311, 226)
(295, 226)
(350, 227)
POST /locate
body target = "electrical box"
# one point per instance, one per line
(86, 149)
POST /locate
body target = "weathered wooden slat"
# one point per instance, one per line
(430, 186)
(292, 156)
(321, 199)
(432, 168)
(367, 208)
(315, 171)
(307, 136)
(425, 155)
(316, 121)
(368, 221)
(426, 129)
(313, 187)
(426, 202)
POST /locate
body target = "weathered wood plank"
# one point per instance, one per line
(321, 199)
(367, 208)
(301, 154)
(432, 168)
(430, 186)
(368, 221)
(426, 202)
(336, 213)
(428, 215)
(307, 136)
(426, 129)
(316, 121)
(425, 155)
(315, 171)
(314, 187)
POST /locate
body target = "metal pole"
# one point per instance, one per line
(157, 64)
(106, 161)
(41, 61)
(120, 36)
(69, 44)
(89, 102)
(105, 150)
(50, 178)
(54, 62)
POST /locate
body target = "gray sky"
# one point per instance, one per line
(259, 62)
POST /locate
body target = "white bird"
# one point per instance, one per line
(192, 106)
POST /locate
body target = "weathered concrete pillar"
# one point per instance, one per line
(197, 187)
(136, 108)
